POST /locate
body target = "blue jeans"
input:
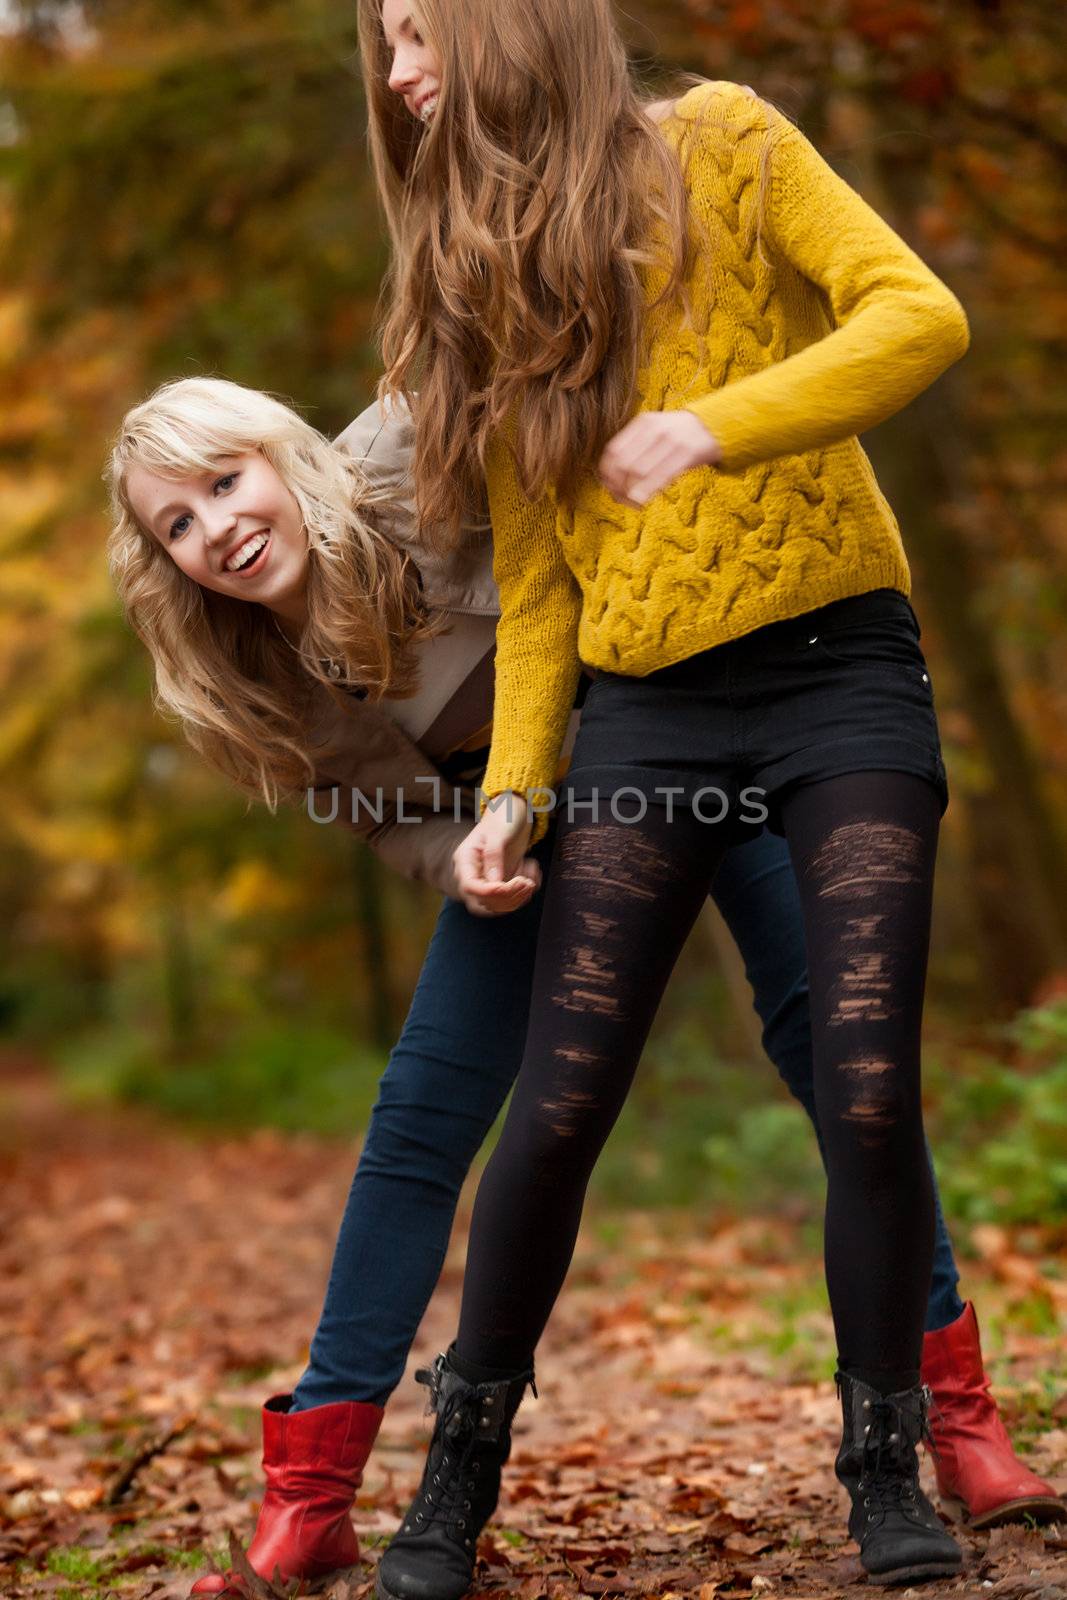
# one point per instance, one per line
(447, 1079)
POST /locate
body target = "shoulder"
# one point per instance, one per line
(722, 109)
(381, 439)
(659, 110)
(460, 577)
(724, 134)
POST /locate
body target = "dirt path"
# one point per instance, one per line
(156, 1288)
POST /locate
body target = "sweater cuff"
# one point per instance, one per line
(740, 446)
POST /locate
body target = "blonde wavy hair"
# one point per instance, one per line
(239, 690)
(523, 218)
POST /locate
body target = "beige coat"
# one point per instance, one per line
(358, 748)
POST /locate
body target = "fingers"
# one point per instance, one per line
(476, 860)
(639, 462)
(531, 869)
(648, 475)
(467, 864)
(499, 899)
(493, 876)
(614, 464)
(651, 451)
(493, 861)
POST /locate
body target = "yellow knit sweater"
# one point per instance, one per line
(806, 329)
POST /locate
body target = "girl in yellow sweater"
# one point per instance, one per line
(656, 332)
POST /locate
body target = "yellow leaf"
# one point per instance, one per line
(252, 889)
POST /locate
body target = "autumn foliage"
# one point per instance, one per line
(185, 189)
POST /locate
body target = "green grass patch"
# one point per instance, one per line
(701, 1130)
(998, 1124)
(75, 1561)
(185, 1560)
(267, 1074)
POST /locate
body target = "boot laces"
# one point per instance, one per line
(450, 1483)
(888, 1469)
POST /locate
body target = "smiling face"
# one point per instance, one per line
(236, 529)
(415, 74)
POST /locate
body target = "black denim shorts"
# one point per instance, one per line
(844, 688)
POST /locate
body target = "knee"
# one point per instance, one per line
(878, 1112)
(558, 1138)
(428, 1086)
(414, 1140)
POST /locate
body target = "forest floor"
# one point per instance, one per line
(157, 1287)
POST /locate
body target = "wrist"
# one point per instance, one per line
(710, 447)
(510, 801)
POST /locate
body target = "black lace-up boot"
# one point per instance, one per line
(432, 1555)
(892, 1521)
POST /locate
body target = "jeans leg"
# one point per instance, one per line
(756, 891)
(445, 1083)
(944, 1305)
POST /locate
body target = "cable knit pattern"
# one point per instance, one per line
(804, 330)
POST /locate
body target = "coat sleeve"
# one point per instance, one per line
(420, 848)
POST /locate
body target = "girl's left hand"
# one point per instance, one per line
(653, 449)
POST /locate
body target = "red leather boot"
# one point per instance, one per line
(977, 1469)
(313, 1462)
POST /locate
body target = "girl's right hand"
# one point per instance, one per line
(493, 872)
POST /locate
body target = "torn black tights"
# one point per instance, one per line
(619, 905)
(863, 849)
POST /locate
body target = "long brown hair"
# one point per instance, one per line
(241, 693)
(528, 219)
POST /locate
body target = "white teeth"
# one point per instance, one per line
(247, 553)
(426, 111)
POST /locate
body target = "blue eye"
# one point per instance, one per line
(224, 483)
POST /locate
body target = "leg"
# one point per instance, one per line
(756, 891)
(621, 901)
(977, 1468)
(440, 1094)
(943, 1305)
(447, 1078)
(620, 905)
(864, 846)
